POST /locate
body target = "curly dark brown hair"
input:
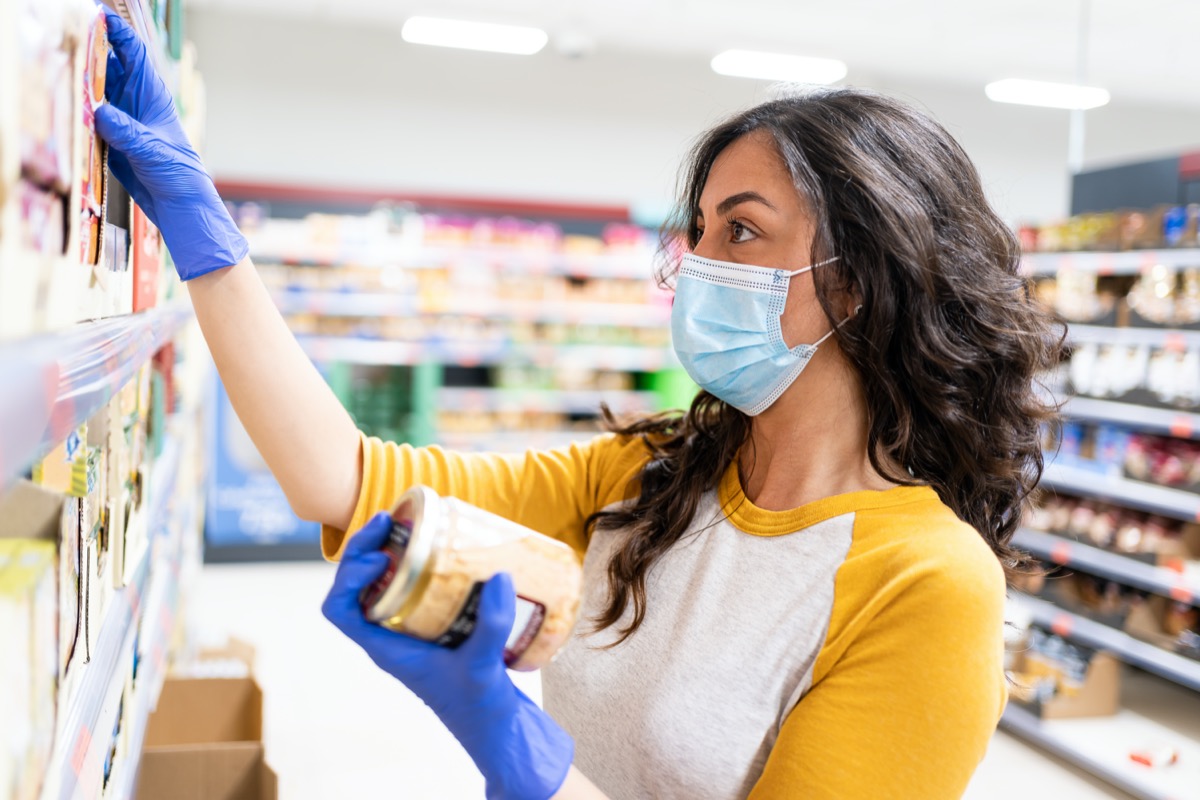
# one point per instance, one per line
(948, 343)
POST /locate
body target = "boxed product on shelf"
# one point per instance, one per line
(29, 616)
(1166, 622)
(1058, 679)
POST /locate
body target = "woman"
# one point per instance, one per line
(795, 588)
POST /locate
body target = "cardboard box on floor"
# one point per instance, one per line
(204, 740)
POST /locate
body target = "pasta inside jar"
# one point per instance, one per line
(442, 552)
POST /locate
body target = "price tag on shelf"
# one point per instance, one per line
(83, 742)
(1175, 342)
(1182, 593)
(1105, 264)
(1148, 261)
(1183, 426)
(1062, 625)
(1061, 553)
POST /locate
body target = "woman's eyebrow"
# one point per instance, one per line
(742, 197)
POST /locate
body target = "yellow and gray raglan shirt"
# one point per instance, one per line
(850, 648)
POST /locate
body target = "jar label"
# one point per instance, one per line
(530, 615)
(395, 547)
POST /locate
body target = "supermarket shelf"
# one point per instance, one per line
(567, 402)
(383, 352)
(157, 624)
(1100, 745)
(631, 265)
(1130, 262)
(1163, 421)
(1150, 337)
(1137, 495)
(1172, 666)
(55, 382)
(383, 304)
(83, 735)
(1113, 566)
(512, 441)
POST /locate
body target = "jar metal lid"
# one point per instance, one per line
(419, 510)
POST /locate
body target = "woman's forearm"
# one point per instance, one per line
(302, 431)
(578, 787)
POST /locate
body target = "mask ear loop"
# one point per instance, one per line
(812, 267)
(821, 341)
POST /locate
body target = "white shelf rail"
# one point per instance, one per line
(1173, 503)
(1162, 421)
(1129, 262)
(384, 304)
(1128, 571)
(1074, 741)
(475, 353)
(55, 382)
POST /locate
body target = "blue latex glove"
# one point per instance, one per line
(522, 753)
(150, 155)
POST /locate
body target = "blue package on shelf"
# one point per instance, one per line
(1070, 439)
(244, 504)
(1111, 443)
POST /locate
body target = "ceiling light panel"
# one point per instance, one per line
(1047, 95)
(778, 67)
(464, 35)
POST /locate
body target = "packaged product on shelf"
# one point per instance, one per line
(1164, 461)
(45, 95)
(1142, 229)
(1187, 301)
(42, 224)
(1179, 226)
(1077, 299)
(95, 66)
(29, 625)
(1152, 298)
(1166, 623)
(1058, 679)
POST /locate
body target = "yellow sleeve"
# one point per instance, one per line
(906, 706)
(553, 491)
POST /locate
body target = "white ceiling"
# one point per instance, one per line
(1143, 51)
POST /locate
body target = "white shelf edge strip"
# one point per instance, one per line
(1172, 503)
(1150, 337)
(1066, 552)
(1124, 262)
(1166, 421)
(1028, 726)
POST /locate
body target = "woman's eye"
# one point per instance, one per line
(740, 232)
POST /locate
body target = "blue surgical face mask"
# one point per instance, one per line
(725, 326)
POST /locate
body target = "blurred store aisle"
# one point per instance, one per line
(338, 727)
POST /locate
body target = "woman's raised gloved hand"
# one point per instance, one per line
(522, 753)
(150, 155)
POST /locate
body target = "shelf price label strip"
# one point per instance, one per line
(1160, 580)
(85, 366)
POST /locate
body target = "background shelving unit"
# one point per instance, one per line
(1152, 670)
(475, 332)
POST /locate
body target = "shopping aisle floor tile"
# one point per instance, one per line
(337, 727)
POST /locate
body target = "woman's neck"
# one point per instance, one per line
(812, 442)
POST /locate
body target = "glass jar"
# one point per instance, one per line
(443, 550)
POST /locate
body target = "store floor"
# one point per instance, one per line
(337, 727)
